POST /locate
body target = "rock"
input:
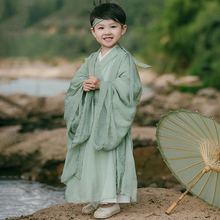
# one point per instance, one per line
(209, 93)
(177, 100)
(40, 155)
(189, 80)
(150, 109)
(165, 80)
(165, 83)
(153, 185)
(146, 99)
(206, 106)
(144, 136)
(32, 112)
(154, 105)
(147, 76)
(178, 187)
(151, 168)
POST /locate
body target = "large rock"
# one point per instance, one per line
(166, 83)
(154, 105)
(41, 155)
(32, 112)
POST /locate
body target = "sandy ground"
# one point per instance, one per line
(152, 204)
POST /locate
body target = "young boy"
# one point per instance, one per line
(100, 106)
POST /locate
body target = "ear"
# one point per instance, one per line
(124, 28)
(93, 32)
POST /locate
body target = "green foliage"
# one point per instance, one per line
(7, 9)
(42, 28)
(186, 39)
(47, 46)
(189, 89)
(40, 10)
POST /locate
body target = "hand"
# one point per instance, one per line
(88, 85)
(95, 81)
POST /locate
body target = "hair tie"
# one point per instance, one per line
(97, 20)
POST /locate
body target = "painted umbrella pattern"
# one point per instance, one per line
(190, 145)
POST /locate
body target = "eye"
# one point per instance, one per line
(101, 28)
(113, 26)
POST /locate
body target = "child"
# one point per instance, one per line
(100, 106)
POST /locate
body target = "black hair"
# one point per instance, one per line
(107, 11)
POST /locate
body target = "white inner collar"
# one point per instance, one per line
(100, 55)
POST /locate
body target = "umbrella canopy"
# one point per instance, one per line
(189, 143)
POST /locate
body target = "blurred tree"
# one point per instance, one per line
(7, 9)
(186, 39)
(27, 33)
(58, 4)
(41, 9)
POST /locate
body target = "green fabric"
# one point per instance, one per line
(99, 162)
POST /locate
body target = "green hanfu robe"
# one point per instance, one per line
(99, 163)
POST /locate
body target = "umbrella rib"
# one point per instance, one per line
(182, 158)
(178, 141)
(216, 131)
(190, 125)
(185, 129)
(198, 126)
(180, 134)
(205, 184)
(207, 128)
(194, 177)
(215, 188)
(175, 148)
(190, 166)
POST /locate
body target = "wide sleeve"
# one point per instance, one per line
(117, 105)
(77, 103)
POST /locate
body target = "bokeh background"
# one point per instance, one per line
(180, 36)
(43, 43)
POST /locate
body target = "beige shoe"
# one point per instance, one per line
(107, 212)
(88, 209)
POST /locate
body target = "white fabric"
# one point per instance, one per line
(100, 53)
(119, 199)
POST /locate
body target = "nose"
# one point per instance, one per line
(107, 31)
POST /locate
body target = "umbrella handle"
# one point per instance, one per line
(205, 170)
(171, 208)
(181, 197)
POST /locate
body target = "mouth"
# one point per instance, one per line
(108, 39)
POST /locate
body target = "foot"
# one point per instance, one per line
(88, 209)
(107, 212)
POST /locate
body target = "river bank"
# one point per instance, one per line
(32, 140)
(21, 197)
(151, 204)
(33, 130)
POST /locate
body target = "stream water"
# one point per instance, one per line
(40, 87)
(20, 197)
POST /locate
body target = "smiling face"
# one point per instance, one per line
(108, 33)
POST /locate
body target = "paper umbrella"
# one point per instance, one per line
(190, 145)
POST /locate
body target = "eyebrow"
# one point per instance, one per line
(112, 23)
